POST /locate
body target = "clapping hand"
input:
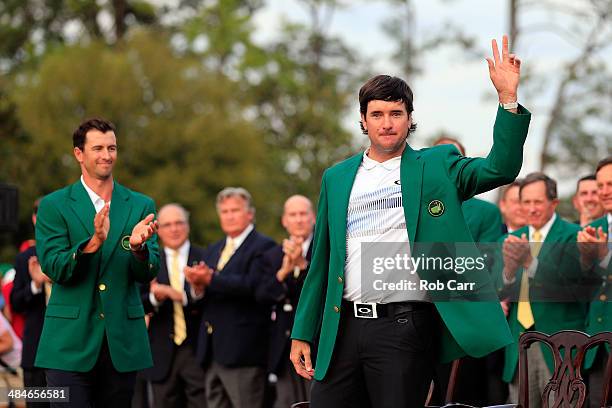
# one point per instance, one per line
(516, 252)
(143, 231)
(592, 244)
(198, 276)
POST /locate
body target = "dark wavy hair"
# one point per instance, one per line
(78, 137)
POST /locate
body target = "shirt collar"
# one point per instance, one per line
(306, 244)
(240, 238)
(390, 164)
(545, 228)
(183, 251)
(609, 220)
(96, 200)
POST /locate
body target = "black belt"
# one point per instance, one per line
(375, 310)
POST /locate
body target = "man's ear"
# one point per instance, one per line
(575, 202)
(78, 153)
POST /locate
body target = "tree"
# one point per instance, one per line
(579, 117)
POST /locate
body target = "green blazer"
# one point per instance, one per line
(483, 219)
(438, 173)
(93, 295)
(600, 310)
(557, 277)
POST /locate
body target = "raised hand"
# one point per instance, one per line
(505, 72)
(143, 231)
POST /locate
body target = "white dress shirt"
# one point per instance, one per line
(96, 200)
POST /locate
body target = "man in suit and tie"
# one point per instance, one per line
(541, 271)
(95, 240)
(29, 297)
(233, 341)
(286, 267)
(380, 349)
(595, 244)
(177, 379)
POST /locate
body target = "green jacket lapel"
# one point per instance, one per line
(82, 206)
(120, 209)
(339, 194)
(411, 176)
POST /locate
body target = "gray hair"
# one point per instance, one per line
(228, 192)
(551, 185)
(178, 207)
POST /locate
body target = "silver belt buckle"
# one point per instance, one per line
(365, 310)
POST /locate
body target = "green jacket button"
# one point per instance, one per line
(336, 309)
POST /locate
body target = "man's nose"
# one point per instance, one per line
(387, 123)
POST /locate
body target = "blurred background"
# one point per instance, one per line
(263, 93)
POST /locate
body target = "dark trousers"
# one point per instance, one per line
(237, 387)
(35, 377)
(380, 363)
(184, 385)
(103, 386)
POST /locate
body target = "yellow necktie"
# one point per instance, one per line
(226, 254)
(524, 314)
(180, 328)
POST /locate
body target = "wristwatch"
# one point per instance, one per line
(509, 105)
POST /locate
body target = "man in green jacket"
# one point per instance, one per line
(595, 243)
(378, 348)
(541, 274)
(95, 240)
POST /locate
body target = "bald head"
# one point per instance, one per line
(173, 225)
(298, 216)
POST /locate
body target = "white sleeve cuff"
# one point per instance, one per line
(185, 299)
(153, 301)
(35, 289)
(531, 271)
(606, 261)
(508, 281)
(194, 296)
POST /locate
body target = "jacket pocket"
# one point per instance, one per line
(135, 312)
(63, 311)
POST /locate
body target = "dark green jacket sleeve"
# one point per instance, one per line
(61, 260)
(476, 175)
(311, 303)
